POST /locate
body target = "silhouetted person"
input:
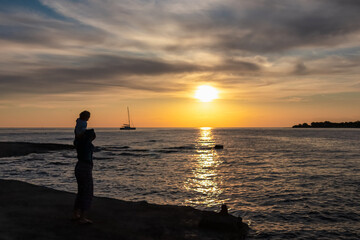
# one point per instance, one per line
(83, 173)
(81, 124)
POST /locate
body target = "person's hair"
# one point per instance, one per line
(84, 114)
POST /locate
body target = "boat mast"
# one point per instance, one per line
(128, 115)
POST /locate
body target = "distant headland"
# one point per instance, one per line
(328, 124)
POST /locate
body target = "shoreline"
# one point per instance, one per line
(15, 149)
(34, 212)
(328, 124)
(30, 211)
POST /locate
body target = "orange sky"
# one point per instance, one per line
(178, 112)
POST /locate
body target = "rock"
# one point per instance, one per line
(10, 149)
(224, 222)
(224, 210)
(34, 212)
(219, 146)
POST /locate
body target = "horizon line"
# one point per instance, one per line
(137, 127)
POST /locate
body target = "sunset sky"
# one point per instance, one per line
(274, 63)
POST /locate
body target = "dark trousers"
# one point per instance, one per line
(83, 173)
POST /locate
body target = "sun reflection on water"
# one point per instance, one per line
(204, 185)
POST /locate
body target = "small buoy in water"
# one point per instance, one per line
(218, 146)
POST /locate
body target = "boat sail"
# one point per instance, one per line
(127, 126)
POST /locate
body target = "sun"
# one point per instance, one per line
(206, 93)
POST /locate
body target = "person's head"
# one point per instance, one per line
(84, 115)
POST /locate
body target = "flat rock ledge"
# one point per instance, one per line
(33, 212)
(10, 149)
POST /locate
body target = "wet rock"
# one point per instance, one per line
(10, 149)
(224, 210)
(224, 222)
(49, 213)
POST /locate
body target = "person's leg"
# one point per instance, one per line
(86, 193)
(76, 210)
(76, 214)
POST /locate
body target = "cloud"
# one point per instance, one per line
(300, 69)
(253, 26)
(332, 66)
(101, 71)
(29, 29)
(264, 27)
(98, 72)
(88, 45)
(238, 66)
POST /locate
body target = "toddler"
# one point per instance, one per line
(81, 124)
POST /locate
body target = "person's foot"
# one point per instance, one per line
(75, 216)
(85, 221)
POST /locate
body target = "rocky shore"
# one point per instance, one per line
(34, 212)
(9, 149)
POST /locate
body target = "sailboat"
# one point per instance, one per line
(127, 126)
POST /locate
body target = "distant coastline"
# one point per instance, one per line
(328, 124)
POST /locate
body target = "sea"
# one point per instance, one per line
(285, 183)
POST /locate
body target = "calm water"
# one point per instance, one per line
(286, 183)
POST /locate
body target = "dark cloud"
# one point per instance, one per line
(340, 3)
(105, 71)
(102, 71)
(334, 66)
(253, 26)
(273, 26)
(237, 67)
(300, 69)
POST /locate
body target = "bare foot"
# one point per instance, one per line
(85, 221)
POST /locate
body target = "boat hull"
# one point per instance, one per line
(127, 128)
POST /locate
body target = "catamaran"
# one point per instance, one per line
(127, 126)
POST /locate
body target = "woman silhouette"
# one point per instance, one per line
(83, 173)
